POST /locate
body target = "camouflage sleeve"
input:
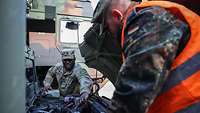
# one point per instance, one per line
(151, 42)
(50, 76)
(84, 79)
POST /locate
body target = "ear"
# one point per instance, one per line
(117, 14)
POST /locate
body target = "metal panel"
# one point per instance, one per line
(12, 41)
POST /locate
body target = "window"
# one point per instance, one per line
(69, 34)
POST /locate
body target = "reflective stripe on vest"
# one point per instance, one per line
(182, 88)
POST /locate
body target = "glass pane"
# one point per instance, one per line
(67, 35)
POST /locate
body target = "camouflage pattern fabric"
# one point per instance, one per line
(152, 38)
(76, 81)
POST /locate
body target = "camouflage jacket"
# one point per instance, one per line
(76, 81)
(152, 38)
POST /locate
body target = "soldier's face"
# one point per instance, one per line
(68, 63)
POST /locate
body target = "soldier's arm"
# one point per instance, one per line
(152, 39)
(84, 79)
(49, 76)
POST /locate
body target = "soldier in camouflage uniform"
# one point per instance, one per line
(150, 42)
(71, 77)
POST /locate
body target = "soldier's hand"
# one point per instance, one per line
(47, 88)
(68, 99)
(84, 96)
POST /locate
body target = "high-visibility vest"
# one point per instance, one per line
(182, 87)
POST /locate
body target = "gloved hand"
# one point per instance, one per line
(84, 96)
(68, 99)
(71, 99)
(47, 87)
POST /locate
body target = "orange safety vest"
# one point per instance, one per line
(182, 88)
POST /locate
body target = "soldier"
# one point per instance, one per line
(71, 77)
(160, 42)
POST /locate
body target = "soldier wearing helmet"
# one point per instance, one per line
(71, 77)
